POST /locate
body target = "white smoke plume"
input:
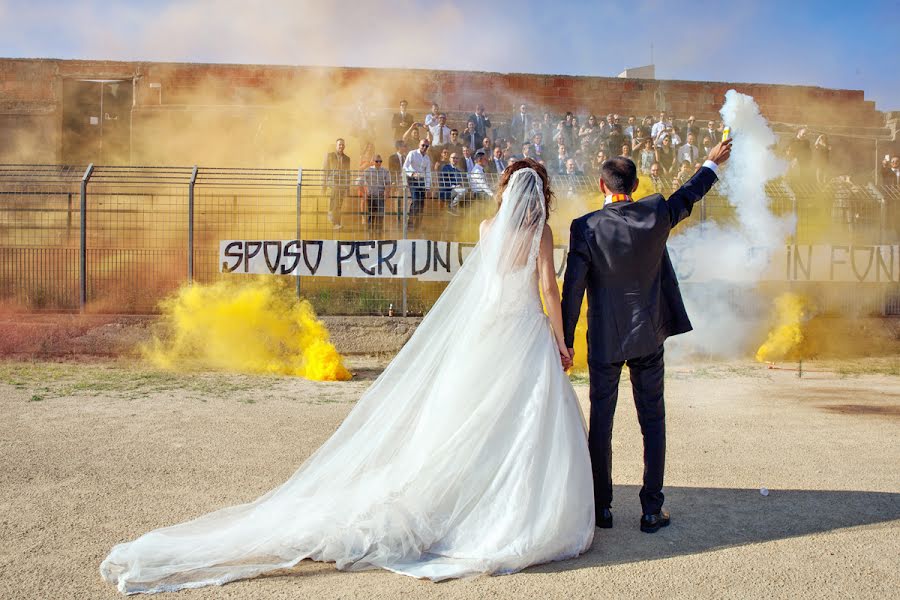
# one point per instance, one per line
(730, 260)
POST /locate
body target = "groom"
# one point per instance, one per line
(619, 255)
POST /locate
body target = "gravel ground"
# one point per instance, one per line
(98, 452)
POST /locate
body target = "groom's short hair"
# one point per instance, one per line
(619, 175)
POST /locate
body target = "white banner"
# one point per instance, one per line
(430, 260)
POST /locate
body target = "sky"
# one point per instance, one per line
(853, 45)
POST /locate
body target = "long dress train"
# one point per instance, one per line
(468, 454)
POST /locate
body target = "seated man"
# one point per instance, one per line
(450, 179)
(478, 186)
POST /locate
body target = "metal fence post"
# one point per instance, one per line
(299, 197)
(69, 220)
(82, 249)
(190, 264)
(405, 214)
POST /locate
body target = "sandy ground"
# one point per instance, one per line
(98, 452)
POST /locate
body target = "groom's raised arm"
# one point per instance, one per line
(682, 200)
(578, 263)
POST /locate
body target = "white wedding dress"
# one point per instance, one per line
(468, 455)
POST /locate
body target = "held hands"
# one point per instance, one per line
(721, 152)
(565, 359)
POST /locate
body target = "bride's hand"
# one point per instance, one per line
(565, 360)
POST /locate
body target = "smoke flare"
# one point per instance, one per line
(730, 259)
(246, 326)
(786, 339)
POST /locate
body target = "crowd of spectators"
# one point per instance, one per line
(452, 160)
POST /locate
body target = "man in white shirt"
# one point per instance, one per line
(660, 126)
(689, 151)
(477, 180)
(417, 168)
(632, 129)
(432, 117)
(440, 135)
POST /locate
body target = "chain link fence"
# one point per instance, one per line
(118, 239)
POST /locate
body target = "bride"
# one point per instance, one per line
(468, 454)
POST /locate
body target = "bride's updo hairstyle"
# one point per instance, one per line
(526, 163)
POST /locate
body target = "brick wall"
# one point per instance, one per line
(31, 99)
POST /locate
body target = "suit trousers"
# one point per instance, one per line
(335, 204)
(375, 213)
(647, 385)
(416, 202)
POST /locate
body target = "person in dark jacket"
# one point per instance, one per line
(618, 254)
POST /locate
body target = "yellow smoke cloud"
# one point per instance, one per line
(249, 326)
(786, 340)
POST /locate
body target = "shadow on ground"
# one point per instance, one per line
(708, 519)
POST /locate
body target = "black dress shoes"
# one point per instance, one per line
(604, 518)
(652, 523)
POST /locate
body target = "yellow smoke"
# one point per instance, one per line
(785, 341)
(249, 326)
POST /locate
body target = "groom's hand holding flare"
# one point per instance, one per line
(721, 152)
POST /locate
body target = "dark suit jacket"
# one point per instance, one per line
(395, 165)
(473, 142)
(491, 166)
(399, 124)
(481, 130)
(619, 255)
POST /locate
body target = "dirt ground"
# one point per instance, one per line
(99, 451)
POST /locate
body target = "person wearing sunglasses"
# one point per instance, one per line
(418, 177)
(377, 180)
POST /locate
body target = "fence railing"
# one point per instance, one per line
(119, 239)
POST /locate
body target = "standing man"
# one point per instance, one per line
(455, 147)
(710, 131)
(618, 254)
(691, 127)
(432, 117)
(520, 125)
(396, 160)
(800, 151)
(395, 167)
(337, 176)
(377, 180)
(401, 121)
(631, 130)
(482, 123)
(660, 126)
(689, 152)
(890, 171)
(470, 137)
(418, 177)
(440, 136)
